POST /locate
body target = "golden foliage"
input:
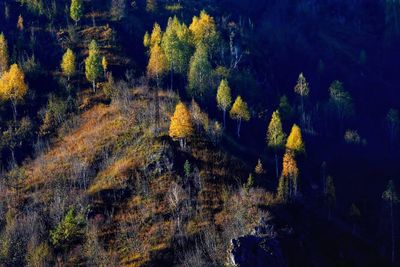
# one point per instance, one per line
(181, 123)
(12, 84)
(68, 63)
(203, 29)
(289, 165)
(224, 98)
(158, 64)
(240, 110)
(156, 35)
(295, 140)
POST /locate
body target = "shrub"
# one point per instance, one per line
(68, 231)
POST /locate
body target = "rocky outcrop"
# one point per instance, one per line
(260, 248)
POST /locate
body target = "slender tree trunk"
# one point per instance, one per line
(14, 108)
(238, 128)
(224, 114)
(172, 77)
(157, 105)
(94, 86)
(13, 156)
(276, 165)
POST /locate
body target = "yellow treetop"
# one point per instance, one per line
(203, 29)
(181, 123)
(68, 63)
(240, 110)
(156, 35)
(12, 84)
(158, 63)
(295, 140)
(224, 98)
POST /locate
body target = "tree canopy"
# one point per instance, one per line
(93, 68)
(76, 10)
(181, 125)
(295, 140)
(68, 64)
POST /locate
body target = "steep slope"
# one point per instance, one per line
(137, 191)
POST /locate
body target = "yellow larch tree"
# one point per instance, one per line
(13, 87)
(204, 30)
(288, 183)
(224, 98)
(68, 65)
(158, 64)
(239, 112)
(295, 140)
(181, 126)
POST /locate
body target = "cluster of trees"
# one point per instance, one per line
(192, 55)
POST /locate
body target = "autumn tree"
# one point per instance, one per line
(204, 31)
(181, 126)
(76, 10)
(154, 38)
(224, 98)
(176, 44)
(330, 195)
(68, 64)
(13, 87)
(341, 101)
(288, 182)
(3, 54)
(93, 68)
(158, 64)
(156, 68)
(303, 90)
(239, 112)
(391, 198)
(275, 137)
(295, 140)
(199, 74)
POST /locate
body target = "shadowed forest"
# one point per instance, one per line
(199, 133)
